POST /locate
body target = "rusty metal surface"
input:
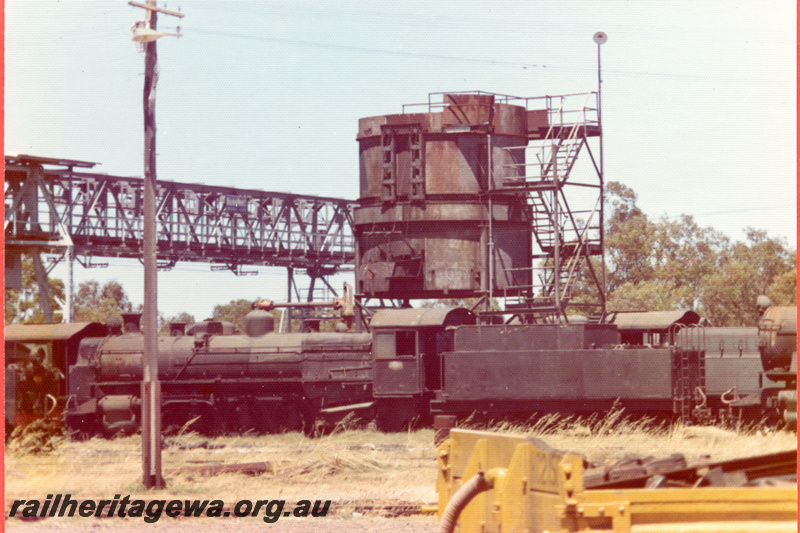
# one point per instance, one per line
(423, 215)
(652, 320)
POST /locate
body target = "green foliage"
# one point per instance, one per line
(684, 253)
(467, 303)
(783, 290)
(629, 251)
(677, 264)
(23, 306)
(759, 266)
(646, 296)
(236, 310)
(93, 303)
(183, 316)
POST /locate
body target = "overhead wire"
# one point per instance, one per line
(442, 57)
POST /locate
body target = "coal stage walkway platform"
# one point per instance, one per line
(52, 205)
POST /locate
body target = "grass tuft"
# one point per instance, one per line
(39, 437)
(610, 437)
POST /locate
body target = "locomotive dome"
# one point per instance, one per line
(258, 322)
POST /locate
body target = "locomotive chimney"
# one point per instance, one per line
(130, 322)
(114, 325)
(177, 329)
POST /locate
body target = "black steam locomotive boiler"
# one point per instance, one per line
(232, 382)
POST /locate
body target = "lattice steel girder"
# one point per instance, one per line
(102, 216)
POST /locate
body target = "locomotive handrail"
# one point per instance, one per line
(195, 350)
(688, 337)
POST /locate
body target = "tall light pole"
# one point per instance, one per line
(600, 38)
(145, 33)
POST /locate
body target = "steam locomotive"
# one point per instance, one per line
(232, 382)
(416, 363)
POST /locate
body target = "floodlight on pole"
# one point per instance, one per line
(143, 34)
(600, 38)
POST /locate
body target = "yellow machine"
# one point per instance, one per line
(489, 482)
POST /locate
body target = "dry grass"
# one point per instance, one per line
(611, 437)
(350, 467)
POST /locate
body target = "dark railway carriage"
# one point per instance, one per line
(732, 359)
(564, 368)
(420, 362)
(735, 377)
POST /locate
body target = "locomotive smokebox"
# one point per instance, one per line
(130, 322)
(430, 183)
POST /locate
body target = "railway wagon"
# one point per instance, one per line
(416, 363)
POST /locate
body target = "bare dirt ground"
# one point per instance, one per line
(370, 477)
(333, 524)
(377, 482)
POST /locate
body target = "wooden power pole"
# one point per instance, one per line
(146, 34)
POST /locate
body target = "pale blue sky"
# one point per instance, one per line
(699, 98)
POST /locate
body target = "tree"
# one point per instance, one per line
(93, 303)
(685, 253)
(677, 264)
(183, 317)
(759, 266)
(783, 290)
(468, 303)
(23, 306)
(628, 240)
(646, 296)
(234, 312)
(729, 297)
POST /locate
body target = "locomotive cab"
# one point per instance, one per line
(407, 349)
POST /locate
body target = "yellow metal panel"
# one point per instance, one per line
(537, 489)
(529, 496)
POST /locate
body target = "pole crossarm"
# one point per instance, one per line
(158, 9)
(102, 216)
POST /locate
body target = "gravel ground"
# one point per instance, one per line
(334, 524)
